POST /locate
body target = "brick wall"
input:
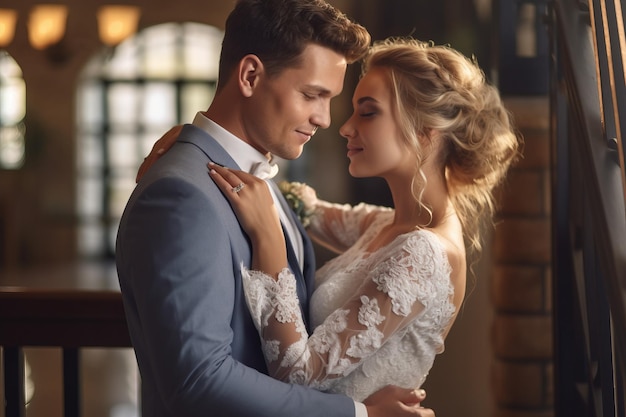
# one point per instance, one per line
(521, 286)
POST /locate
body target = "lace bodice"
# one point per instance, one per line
(379, 317)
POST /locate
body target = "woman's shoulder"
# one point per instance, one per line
(424, 244)
(427, 253)
(451, 256)
(453, 252)
(416, 265)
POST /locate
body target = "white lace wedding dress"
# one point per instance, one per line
(379, 318)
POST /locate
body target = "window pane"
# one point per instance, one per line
(126, 101)
(90, 239)
(161, 59)
(89, 152)
(124, 63)
(89, 105)
(159, 104)
(89, 196)
(195, 97)
(12, 112)
(201, 51)
(122, 150)
(11, 147)
(8, 66)
(121, 188)
(12, 101)
(123, 101)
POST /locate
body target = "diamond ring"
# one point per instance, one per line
(238, 188)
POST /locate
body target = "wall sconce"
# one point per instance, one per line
(46, 25)
(116, 23)
(8, 17)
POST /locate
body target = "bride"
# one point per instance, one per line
(426, 121)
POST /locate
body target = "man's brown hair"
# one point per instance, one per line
(277, 31)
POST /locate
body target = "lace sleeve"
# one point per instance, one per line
(335, 226)
(338, 226)
(396, 292)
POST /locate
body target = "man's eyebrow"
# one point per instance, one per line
(318, 89)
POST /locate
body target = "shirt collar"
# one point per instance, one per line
(248, 158)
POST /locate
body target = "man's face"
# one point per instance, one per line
(284, 111)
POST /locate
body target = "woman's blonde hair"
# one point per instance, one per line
(441, 94)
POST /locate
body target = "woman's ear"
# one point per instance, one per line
(428, 136)
(250, 70)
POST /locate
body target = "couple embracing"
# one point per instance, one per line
(227, 314)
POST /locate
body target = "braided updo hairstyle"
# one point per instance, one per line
(441, 94)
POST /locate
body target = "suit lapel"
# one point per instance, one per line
(304, 281)
(209, 146)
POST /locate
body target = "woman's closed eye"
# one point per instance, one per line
(367, 110)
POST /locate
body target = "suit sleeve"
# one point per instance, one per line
(179, 288)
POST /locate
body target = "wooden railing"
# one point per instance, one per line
(69, 317)
(588, 101)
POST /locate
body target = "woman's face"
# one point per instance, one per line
(375, 145)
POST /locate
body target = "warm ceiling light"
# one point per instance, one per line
(7, 26)
(46, 25)
(116, 23)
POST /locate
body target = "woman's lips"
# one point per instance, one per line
(353, 150)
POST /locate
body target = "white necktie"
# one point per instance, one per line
(264, 170)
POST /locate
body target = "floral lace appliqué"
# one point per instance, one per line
(384, 327)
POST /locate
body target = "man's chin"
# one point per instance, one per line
(291, 153)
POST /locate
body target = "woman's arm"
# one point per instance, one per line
(388, 301)
(335, 226)
(392, 295)
(338, 226)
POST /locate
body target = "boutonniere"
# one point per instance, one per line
(300, 198)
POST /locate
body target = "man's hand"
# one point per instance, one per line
(393, 401)
(160, 147)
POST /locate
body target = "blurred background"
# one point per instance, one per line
(80, 109)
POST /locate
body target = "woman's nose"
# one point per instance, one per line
(346, 129)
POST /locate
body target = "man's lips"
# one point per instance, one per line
(305, 137)
(306, 134)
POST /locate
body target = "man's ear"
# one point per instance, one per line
(250, 70)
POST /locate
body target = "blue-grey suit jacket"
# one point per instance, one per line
(179, 250)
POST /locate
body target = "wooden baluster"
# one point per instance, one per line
(71, 382)
(14, 396)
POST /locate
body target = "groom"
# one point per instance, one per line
(180, 247)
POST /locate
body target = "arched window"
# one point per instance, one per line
(126, 100)
(12, 112)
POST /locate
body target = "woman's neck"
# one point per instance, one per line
(435, 198)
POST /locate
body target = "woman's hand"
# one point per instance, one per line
(253, 204)
(159, 148)
(396, 401)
